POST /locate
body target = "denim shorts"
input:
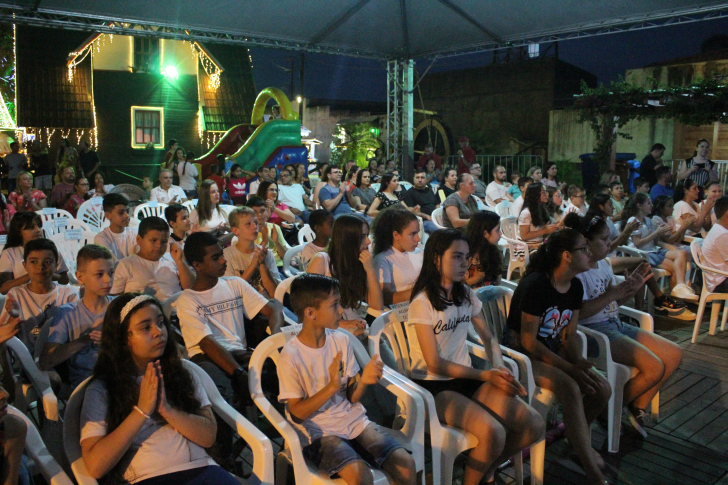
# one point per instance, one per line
(656, 257)
(331, 454)
(614, 328)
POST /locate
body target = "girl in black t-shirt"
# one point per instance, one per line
(542, 322)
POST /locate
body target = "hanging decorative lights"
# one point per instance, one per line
(211, 67)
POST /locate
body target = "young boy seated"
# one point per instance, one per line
(118, 238)
(75, 334)
(321, 221)
(150, 271)
(255, 264)
(577, 200)
(616, 190)
(270, 235)
(35, 302)
(178, 218)
(321, 385)
(641, 184)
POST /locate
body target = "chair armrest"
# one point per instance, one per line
(637, 253)
(581, 342)
(414, 425)
(479, 351)
(373, 312)
(645, 319)
(39, 379)
(604, 360)
(525, 370)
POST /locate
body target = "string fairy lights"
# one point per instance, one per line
(212, 69)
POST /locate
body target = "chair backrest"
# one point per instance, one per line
(509, 227)
(50, 213)
(503, 208)
(61, 224)
(146, 211)
(68, 244)
(92, 213)
(405, 185)
(696, 248)
(437, 218)
(293, 254)
(39, 379)
(283, 288)
(227, 208)
(393, 331)
(306, 234)
(496, 302)
(375, 186)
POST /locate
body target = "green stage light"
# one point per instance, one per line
(171, 72)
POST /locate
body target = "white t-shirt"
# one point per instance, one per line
(450, 328)
(36, 309)
(157, 449)
(569, 207)
(516, 206)
(398, 271)
(254, 187)
(11, 261)
(525, 220)
(303, 371)
(292, 196)
(495, 191)
(644, 230)
(715, 252)
(238, 262)
(159, 279)
(219, 312)
(595, 282)
(121, 245)
(218, 217)
(308, 252)
(188, 179)
(678, 210)
(165, 196)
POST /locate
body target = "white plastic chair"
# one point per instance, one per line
(306, 234)
(148, 211)
(68, 248)
(92, 214)
(42, 460)
(447, 442)
(190, 204)
(281, 291)
(404, 184)
(293, 254)
(52, 213)
(258, 442)
(375, 186)
(503, 208)
(519, 251)
(706, 296)
(227, 208)
(411, 435)
(436, 217)
(39, 387)
(52, 227)
(618, 375)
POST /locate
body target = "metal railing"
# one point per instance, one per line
(512, 163)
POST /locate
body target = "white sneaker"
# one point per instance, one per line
(685, 314)
(684, 292)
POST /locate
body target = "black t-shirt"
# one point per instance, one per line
(425, 198)
(88, 160)
(536, 295)
(647, 169)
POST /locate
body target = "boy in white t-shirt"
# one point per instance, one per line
(36, 302)
(178, 218)
(253, 263)
(151, 271)
(321, 386)
(321, 221)
(75, 334)
(118, 238)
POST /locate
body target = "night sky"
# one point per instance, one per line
(606, 56)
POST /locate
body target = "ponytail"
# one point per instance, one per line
(548, 256)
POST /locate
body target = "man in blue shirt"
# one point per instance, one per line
(334, 196)
(663, 185)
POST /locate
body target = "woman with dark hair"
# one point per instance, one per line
(301, 177)
(363, 193)
(79, 196)
(662, 208)
(712, 192)
(208, 216)
(550, 170)
(542, 323)
(655, 357)
(448, 184)
(460, 206)
(324, 170)
(482, 402)
(534, 222)
(555, 205)
(483, 233)
(351, 174)
(397, 255)
(145, 417)
(387, 196)
(24, 227)
(187, 173)
(354, 268)
(687, 193)
(602, 206)
(700, 168)
(99, 188)
(236, 185)
(279, 212)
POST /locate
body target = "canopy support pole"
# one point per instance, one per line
(408, 129)
(400, 114)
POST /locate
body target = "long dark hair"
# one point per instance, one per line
(392, 219)
(548, 256)
(444, 175)
(263, 190)
(384, 181)
(116, 368)
(595, 205)
(658, 205)
(546, 167)
(430, 278)
(204, 204)
(360, 174)
(188, 156)
(589, 227)
(20, 221)
(683, 187)
(344, 263)
(630, 210)
(489, 255)
(551, 206)
(532, 201)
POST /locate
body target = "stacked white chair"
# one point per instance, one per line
(50, 213)
(39, 387)
(68, 243)
(260, 445)
(706, 296)
(62, 224)
(190, 204)
(519, 251)
(411, 435)
(92, 213)
(147, 211)
(306, 234)
(503, 208)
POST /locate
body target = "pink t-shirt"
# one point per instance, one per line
(275, 218)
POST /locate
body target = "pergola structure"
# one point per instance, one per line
(395, 31)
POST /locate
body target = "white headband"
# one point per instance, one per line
(133, 303)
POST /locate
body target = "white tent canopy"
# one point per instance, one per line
(382, 29)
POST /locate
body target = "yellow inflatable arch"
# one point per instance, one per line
(287, 112)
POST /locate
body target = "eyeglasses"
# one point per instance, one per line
(578, 196)
(584, 248)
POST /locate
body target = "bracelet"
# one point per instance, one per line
(139, 410)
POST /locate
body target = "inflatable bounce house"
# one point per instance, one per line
(273, 143)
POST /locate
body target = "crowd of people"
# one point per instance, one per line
(146, 418)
